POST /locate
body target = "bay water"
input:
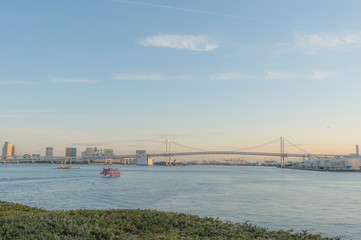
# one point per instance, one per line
(326, 203)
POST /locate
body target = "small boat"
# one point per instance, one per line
(110, 172)
(67, 167)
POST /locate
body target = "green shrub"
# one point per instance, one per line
(22, 222)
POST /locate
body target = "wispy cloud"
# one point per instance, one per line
(70, 80)
(188, 42)
(270, 75)
(33, 110)
(150, 77)
(230, 76)
(144, 77)
(325, 40)
(161, 77)
(322, 75)
(184, 9)
(16, 83)
(283, 75)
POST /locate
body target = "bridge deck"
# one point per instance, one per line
(242, 153)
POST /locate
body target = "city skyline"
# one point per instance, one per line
(129, 74)
(266, 152)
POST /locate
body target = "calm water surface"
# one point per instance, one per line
(327, 203)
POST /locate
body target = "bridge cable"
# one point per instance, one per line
(196, 149)
(273, 141)
(159, 147)
(302, 149)
(297, 147)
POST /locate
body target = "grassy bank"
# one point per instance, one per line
(22, 222)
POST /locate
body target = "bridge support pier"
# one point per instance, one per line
(282, 144)
(168, 156)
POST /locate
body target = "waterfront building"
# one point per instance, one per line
(332, 164)
(95, 152)
(89, 152)
(14, 151)
(108, 153)
(7, 151)
(341, 163)
(269, 163)
(49, 152)
(70, 152)
(145, 160)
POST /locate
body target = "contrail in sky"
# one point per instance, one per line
(182, 9)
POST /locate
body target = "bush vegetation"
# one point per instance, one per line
(23, 222)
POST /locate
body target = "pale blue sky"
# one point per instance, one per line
(211, 74)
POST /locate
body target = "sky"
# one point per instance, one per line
(209, 74)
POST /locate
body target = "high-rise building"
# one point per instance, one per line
(70, 152)
(108, 152)
(89, 152)
(49, 152)
(95, 152)
(14, 151)
(7, 150)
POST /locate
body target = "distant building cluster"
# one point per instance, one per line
(342, 163)
(95, 152)
(9, 151)
(352, 162)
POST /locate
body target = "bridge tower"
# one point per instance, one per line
(282, 144)
(168, 156)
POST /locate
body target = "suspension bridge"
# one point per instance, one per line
(259, 150)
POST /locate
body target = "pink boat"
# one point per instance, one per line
(110, 172)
